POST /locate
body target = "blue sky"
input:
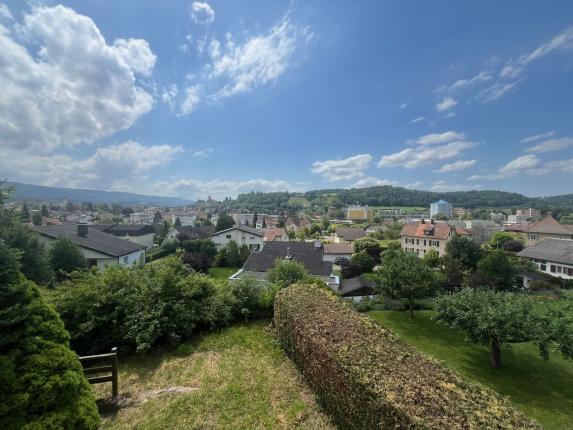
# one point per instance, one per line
(216, 98)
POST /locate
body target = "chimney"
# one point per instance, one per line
(83, 230)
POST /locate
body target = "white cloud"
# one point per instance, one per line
(347, 168)
(562, 40)
(404, 105)
(169, 95)
(75, 88)
(552, 145)
(202, 13)
(446, 104)
(438, 138)
(113, 167)
(414, 185)
(192, 99)
(239, 67)
(456, 166)
(462, 83)
(418, 119)
(520, 163)
(5, 12)
(259, 60)
(372, 182)
(203, 153)
(496, 91)
(411, 158)
(219, 189)
(537, 137)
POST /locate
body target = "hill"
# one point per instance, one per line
(397, 196)
(40, 193)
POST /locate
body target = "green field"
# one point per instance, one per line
(541, 389)
(222, 272)
(236, 378)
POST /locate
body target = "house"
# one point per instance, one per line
(359, 213)
(274, 234)
(138, 233)
(482, 230)
(332, 251)
(517, 219)
(243, 235)
(190, 232)
(376, 229)
(461, 212)
(441, 207)
(244, 219)
(547, 228)
(186, 218)
(141, 218)
(552, 256)
(307, 253)
(348, 234)
(423, 237)
(357, 288)
(100, 249)
(529, 213)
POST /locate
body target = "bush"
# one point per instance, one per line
(138, 308)
(252, 298)
(286, 272)
(41, 379)
(512, 246)
(363, 260)
(197, 262)
(367, 378)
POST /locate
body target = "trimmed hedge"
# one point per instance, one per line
(366, 377)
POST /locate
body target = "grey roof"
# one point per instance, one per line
(350, 233)
(95, 240)
(357, 286)
(193, 232)
(243, 228)
(124, 229)
(303, 252)
(555, 250)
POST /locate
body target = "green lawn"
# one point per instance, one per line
(237, 378)
(542, 389)
(222, 272)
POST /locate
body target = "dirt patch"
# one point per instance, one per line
(111, 405)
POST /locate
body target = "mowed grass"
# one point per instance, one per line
(240, 379)
(543, 390)
(222, 272)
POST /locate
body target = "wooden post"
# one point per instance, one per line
(114, 384)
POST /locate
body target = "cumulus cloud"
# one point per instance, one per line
(414, 185)
(72, 87)
(456, 166)
(192, 99)
(372, 182)
(446, 104)
(347, 168)
(533, 138)
(524, 164)
(219, 189)
(552, 145)
(411, 158)
(438, 138)
(202, 13)
(5, 12)
(443, 186)
(112, 167)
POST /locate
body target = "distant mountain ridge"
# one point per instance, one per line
(52, 194)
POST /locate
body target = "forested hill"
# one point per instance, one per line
(396, 196)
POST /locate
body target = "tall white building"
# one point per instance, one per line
(441, 207)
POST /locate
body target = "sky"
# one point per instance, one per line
(191, 98)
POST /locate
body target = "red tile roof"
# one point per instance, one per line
(338, 248)
(551, 226)
(439, 231)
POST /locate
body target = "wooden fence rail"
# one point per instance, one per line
(105, 364)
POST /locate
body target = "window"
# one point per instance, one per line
(532, 236)
(125, 259)
(417, 241)
(553, 268)
(559, 269)
(228, 236)
(543, 267)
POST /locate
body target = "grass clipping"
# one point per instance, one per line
(368, 378)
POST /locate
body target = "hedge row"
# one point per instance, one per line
(367, 378)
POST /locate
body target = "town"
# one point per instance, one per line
(286, 215)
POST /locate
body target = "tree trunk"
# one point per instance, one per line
(411, 307)
(495, 354)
